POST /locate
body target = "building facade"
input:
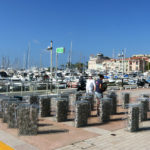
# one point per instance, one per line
(125, 65)
(96, 62)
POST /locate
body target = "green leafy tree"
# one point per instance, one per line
(148, 66)
(79, 66)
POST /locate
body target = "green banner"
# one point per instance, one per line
(60, 50)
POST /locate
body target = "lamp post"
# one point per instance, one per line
(51, 62)
(122, 57)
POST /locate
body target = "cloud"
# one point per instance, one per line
(36, 42)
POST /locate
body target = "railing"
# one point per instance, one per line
(44, 87)
(29, 87)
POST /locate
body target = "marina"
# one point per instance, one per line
(74, 75)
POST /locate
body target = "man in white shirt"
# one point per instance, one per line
(90, 84)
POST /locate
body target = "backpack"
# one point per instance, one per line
(104, 86)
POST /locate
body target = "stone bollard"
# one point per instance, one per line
(147, 96)
(66, 96)
(90, 98)
(125, 100)
(85, 99)
(113, 96)
(74, 97)
(12, 114)
(5, 106)
(61, 109)
(81, 116)
(27, 119)
(44, 106)
(105, 109)
(2, 98)
(53, 103)
(144, 102)
(133, 118)
(34, 100)
(26, 99)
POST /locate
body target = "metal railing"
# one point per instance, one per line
(29, 87)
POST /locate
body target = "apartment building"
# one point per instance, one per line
(96, 62)
(126, 65)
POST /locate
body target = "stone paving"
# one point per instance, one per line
(14, 142)
(96, 136)
(116, 140)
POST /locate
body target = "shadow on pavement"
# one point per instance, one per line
(144, 129)
(44, 124)
(95, 124)
(52, 131)
(117, 119)
(120, 113)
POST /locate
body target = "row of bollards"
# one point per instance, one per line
(18, 114)
(61, 109)
(28, 119)
(133, 118)
(137, 112)
(113, 100)
(23, 113)
(105, 109)
(81, 115)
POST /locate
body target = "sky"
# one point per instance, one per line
(93, 26)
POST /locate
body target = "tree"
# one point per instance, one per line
(62, 66)
(148, 66)
(79, 66)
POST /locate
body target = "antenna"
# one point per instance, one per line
(113, 54)
(40, 60)
(24, 61)
(27, 61)
(28, 55)
(70, 53)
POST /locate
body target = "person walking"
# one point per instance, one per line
(82, 84)
(90, 84)
(99, 91)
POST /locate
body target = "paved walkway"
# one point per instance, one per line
(116, 140)
(94, 137)
(14, 142)
(108, 140)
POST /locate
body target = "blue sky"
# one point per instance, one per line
(93, 26)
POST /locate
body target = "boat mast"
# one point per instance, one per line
(24, 61)
(113, 54)
(28, 55)
(70, 54)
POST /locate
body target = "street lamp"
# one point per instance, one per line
(122, 56)
(51, 63)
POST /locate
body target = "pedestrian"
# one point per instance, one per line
(99, 91)
(82, 84)
(90, 84)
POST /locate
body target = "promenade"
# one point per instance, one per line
(95, 136)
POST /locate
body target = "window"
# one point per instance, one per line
(130, 68)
